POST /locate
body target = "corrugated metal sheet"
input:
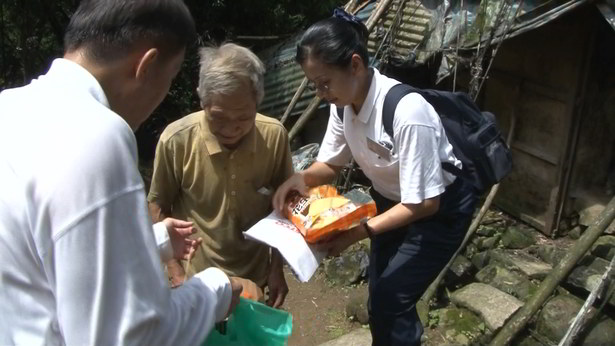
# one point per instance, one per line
(284, 76)
(282, 79)
(408, 35)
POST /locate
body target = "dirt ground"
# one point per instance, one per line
(318, 309)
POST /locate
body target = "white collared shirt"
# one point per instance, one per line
(414, 171)
(78, 258)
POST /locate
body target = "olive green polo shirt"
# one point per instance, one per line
(223, 192)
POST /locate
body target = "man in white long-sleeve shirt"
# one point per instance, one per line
(79, 263)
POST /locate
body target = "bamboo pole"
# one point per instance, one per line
(294, 100)
(303, 119)
(351, 6)
(431, 290)
(382, 7)
(561, 271)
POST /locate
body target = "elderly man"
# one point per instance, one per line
(218, 168)
(79, 259)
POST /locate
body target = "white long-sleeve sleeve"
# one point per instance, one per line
(80, 263)
(112, 290)
(163, 241)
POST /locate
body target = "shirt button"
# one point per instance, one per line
(233, 176)
(232, 193)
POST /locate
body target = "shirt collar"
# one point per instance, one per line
(80, 78)
(368, 104)
(248, 142)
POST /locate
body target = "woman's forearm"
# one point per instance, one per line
(403, 214)
(320, 173)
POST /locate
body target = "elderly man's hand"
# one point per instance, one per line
(236, 288)
(179, 233)
(278, 289)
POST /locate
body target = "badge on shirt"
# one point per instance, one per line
(381, 149)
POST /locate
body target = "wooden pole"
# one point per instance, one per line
(382, 7)
(303, 119)
(561, 271)
(294, 100)
(307, 113)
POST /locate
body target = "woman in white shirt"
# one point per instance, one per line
(424, 211)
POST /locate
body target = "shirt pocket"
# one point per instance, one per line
(381, 162)
(256, 204)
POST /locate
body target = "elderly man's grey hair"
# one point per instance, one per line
(225, 68)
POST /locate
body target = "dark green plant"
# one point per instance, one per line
(31, 36)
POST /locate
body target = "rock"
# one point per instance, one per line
(532, 267)
(558, 313)
(588, 215)
(555, 317)
(506, 281)
(601, 333)
(350, 267)
(487, 230)
(470, 250)
(525, 339)
(458, 271)
(575, 233)
(477, 240)
(459, 326)
(604, 247)
(588, 274)
(517, 237)
(356, 308)
(493, 217)
(548, 253)
(494, 306)
(481, 259)
(489, 243)
(357, 337)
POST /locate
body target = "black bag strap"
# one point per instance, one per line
(340, 113)
(395, 94)
(392, 98)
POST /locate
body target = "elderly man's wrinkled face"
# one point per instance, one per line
(231, 117)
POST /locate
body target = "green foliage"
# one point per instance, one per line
(434, 319)
(31, 36)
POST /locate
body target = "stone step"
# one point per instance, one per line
(492, 305)
(357, 337)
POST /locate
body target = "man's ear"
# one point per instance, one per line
(145, 63)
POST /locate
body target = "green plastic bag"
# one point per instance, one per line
(253, 323)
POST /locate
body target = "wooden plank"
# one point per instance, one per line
(536, 153)
(581, 73)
